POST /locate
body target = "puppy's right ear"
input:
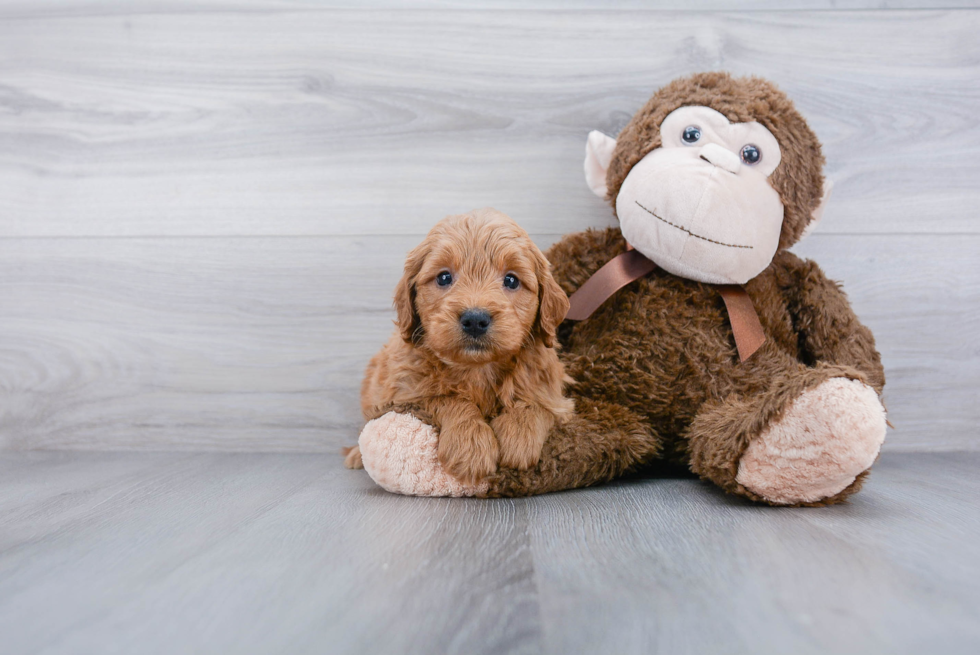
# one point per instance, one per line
(409, 322)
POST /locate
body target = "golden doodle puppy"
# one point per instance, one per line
(477, 314)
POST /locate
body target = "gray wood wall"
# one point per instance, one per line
(204, 206)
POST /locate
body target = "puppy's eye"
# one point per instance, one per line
(444, 279)
(751, 154)
(691, 134)
(511, 281)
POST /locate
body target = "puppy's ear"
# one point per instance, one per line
(409, 322)
(552, 301)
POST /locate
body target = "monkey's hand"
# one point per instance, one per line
(400, 453)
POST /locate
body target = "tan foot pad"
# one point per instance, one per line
(400, 453)
(828, 436)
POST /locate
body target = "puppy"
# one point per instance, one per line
(477, 314)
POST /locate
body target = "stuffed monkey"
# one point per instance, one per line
(723, 351)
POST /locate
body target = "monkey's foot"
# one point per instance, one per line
(400, 453)
(828, 436)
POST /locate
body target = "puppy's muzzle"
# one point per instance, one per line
(475, 322)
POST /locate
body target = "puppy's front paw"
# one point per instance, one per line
(352, 458)
(521, 434)
(468, 450)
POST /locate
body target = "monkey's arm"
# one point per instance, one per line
(597, 444)
(829, 330)
(601, 442)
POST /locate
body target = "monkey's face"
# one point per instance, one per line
(701, 205)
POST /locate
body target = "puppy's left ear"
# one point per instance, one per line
(552, 301)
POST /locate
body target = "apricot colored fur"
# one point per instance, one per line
(658, 380)
(495, 400)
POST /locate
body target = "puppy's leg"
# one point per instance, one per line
(468, 449)
(352, 457)
(521, 432)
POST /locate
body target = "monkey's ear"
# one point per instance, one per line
(828, 187)
(552, 301)
(408, 320)
(598, 153)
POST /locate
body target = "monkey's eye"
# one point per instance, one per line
(692, 134)
(751, 154)
(444, 279)
(511, 281)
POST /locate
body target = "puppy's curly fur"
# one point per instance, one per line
(494, 396)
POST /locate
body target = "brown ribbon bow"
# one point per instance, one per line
(632, 265)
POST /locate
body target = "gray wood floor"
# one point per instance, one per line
(243, 553)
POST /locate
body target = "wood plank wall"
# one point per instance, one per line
(204, 206)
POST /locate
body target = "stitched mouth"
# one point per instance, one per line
(684, 229)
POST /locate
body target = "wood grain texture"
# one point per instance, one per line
(19, 9)
(260, 344)
(204, 207)
(252, 553)
(322, 122)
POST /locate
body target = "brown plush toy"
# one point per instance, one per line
(772, 393)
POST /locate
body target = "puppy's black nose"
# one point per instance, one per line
(475, 322)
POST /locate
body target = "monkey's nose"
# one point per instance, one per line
(475, 322)
(720, 157)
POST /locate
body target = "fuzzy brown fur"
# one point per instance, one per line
(658, 377)
(494, 398)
